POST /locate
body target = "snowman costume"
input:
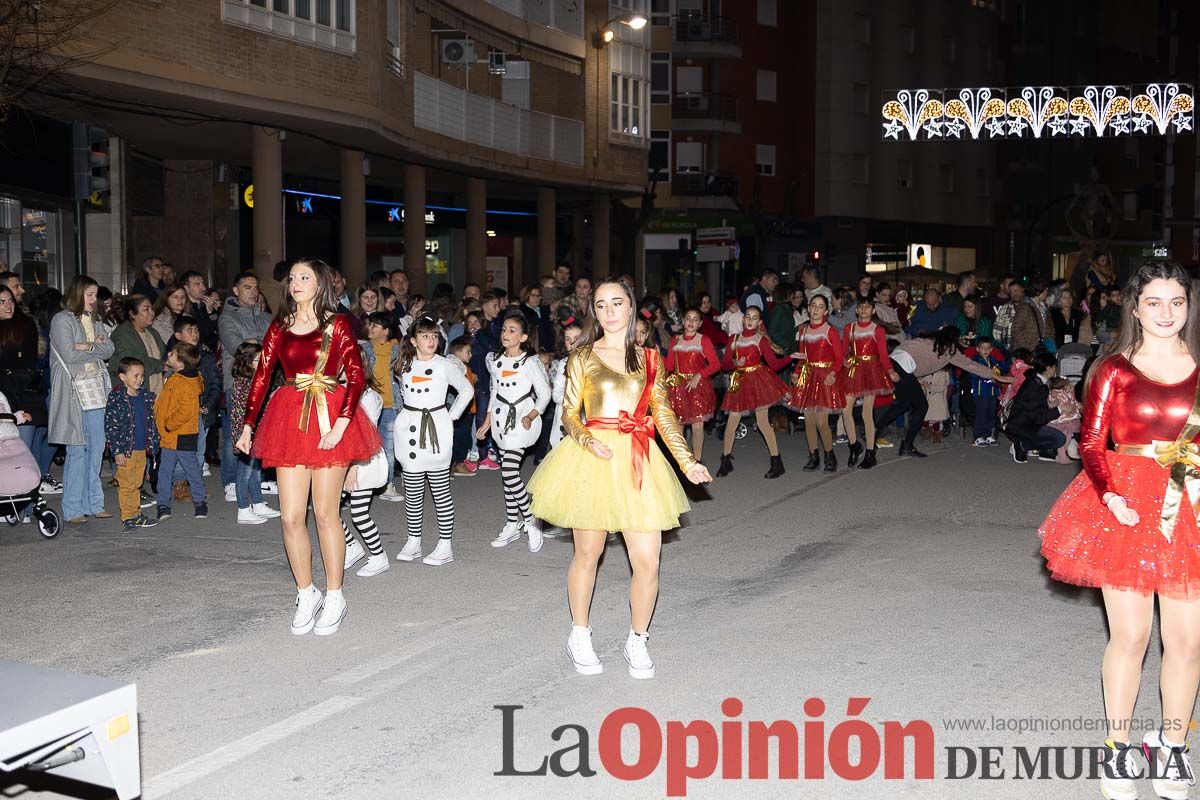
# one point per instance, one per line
(519, 385)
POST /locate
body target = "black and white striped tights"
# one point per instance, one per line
(516, 499)
(443, 503)
(360, 515)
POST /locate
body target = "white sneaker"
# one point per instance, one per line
(354, 552)
(308, 603)
(230, 493)
(637, 657)
(442, 554)
(390, 494)
(50, 488)
(265, 511)
(1121, 767)
(411, 551)
(246, 516)
(205, 471)
(992, 441)
(332, 614)
(580, 651)
(553, 532)
(981, 442)
(508, 534)
(1171, 774)
(270, 487)
(534, 529)
(375, 565)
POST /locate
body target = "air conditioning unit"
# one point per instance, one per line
(458, 51)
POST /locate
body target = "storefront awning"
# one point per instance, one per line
(498, 39)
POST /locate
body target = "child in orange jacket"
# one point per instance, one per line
(177, 414)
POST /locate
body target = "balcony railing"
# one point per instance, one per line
(561, 15)
(705, 106)
(712, 184)
(706, 29)
(446, 109)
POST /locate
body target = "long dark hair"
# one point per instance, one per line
(18, 330)
(243, 360)
(529, 346)
(408, 350)
(73, 301)
(592, 332)
(324, 306)
(945, 340)
(1129, 336)
(560, 341)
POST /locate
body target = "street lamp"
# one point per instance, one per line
(606, 32)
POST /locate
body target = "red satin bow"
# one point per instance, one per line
(642, 431)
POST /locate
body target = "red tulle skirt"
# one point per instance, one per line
(815, 394)
(279, 441)
(693, 405)
(1085, 545)
(760, 388)
(869, 378)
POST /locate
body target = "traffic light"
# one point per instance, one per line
(91, 164)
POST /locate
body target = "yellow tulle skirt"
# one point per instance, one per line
(572, 488)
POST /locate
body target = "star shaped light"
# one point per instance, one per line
(1182, 123)
(933, 127)
(1119, 125)
(893, 129)
(996, 127)
(1016, 126)
(1142, 123)
(1058, 127)
(1080, 126)
(954, 128)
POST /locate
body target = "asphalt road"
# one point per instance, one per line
(917, 585)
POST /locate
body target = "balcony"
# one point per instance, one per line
(700, 36)
(714, 113)
(700, 184)
(561, 15)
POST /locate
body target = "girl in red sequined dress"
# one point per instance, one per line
(817, 382)
(1127, 523)
(753, 386)
(310, 432)
(864, 376)
(692, 361)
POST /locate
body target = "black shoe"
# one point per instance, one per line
(910, 450)
(1018, 454)
(868, 460)
(776, 467)
(1051, 456)
(814, 461)
(201, 511)
(164, 512)
(830, 461)
(147, 501)
(726, 466)
(856, 449)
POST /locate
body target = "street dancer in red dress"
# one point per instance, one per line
(864, 376)
(817, 383)
(311, 432)
(692, 361)
(1127, 523)
(753, 386)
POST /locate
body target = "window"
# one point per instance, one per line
(766, 85)
(660, 77)
(626, 105)
(764, 159)
(689, 156)
(908, 39)
(768, 13)
(689, 80)
(514, 86)
(1130, 206)
(949, 49)
(862, 171)
(904, 174)
(660, 155)
(862, 28)
(860, 99)
(660, 12)
(946, 176)
(326, 23)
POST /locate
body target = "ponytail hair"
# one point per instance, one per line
(408, 350)
(529, 346)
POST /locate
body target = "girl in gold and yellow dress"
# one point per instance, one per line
(607, 475)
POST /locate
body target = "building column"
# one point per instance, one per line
(353, 257)
(601, 213)
(477, 231)
(267, 167)
(547, 243)
(578, 232)
(414, 228)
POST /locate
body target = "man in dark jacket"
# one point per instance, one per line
(931, 315)
(1031, 412)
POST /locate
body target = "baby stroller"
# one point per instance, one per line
(1072, 358)
(20, 479)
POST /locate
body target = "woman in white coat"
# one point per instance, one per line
(520, 393)
(424, 435)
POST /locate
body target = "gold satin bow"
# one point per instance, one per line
(854, 361)
(735, 379)
(676, 379)
(315, 386)
(1182, 457)
(807, 367)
